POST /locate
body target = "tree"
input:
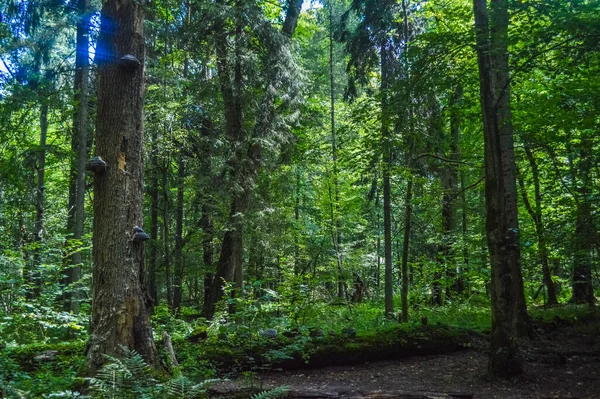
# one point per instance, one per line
(509, 312)
(76, 211)
(119, 305)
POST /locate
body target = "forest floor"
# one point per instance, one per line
(562, 361)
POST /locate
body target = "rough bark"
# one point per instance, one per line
(119, 307)
(76, 210)
(509, 312)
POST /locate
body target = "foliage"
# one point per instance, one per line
(132, 377)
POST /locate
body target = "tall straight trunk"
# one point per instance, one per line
(207, 257)
(179, 265)
(449, 203)
(38, 228)
(230, 262)
(119, 306)
(585, 232)
(387, 199)
(509, 312)
(536, 216)
(336, 222)
(76, 210)
(463, 281)
(152, 262)
(296, 224)
(244, 164)
(405, 246)
(166, 235)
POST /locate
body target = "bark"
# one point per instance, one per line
(297, 224)
(178, 274)
(585, 233)
(463, 281)
(166, 235)
(245, 162)
(119, 307)
(405, 247)
(536, 216)
(335, 214)
(291, 17)
(207, 256)
(230, 262)
(38, 227)
(152, 267)
(509, 312)
(387, 201)
(450, 205)
(76, 210)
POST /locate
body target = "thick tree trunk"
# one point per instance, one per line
(76, 211)
(509, 312)
(119, 307)
(387, 199)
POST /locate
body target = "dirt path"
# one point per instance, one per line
(560, 364)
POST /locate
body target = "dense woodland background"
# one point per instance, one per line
(325, 160)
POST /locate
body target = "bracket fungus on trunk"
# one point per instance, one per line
(96, 165)
(139, 235)
(129, 62)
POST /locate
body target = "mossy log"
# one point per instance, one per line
(337, 350)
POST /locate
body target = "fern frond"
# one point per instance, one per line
(274, 393)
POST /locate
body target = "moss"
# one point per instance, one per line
(399, 341)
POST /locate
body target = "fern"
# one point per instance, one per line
(131, 377)
(276, 392)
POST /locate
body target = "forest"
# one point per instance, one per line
(299, 198)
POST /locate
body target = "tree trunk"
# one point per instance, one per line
(536, 216)
(76, 211)
(509, 312)
(585, 232)
(450, 204)
(119, 307)
(387, 200)
(405, 246)
(291, 17)
(335, 213)
(166, 235)
(207, 249)
(35, 279)
(179, 265)
(152, 268)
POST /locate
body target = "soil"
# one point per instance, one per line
(560, 362)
